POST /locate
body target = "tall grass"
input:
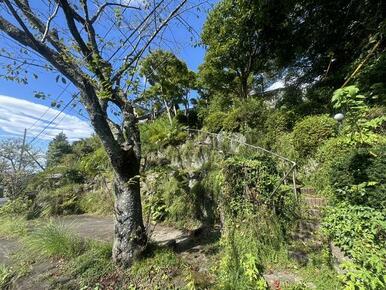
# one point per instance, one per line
(13, 227)
(54, 240)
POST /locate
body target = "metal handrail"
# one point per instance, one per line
(291, 170)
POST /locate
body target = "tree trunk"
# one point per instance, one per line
(168, 112)
(130, 234)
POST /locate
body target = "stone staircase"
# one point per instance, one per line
(306, 233)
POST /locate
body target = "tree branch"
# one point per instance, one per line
(70, 18)
(71, 71)
(52, 37)
(105, 5)
(126, 66)
(49, 22)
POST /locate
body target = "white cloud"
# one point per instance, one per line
(17, 114)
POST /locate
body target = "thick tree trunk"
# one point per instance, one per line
(130, 235)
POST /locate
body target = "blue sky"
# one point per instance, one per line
(20, 109)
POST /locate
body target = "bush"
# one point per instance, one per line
(311, 132)
(214, 121)
(327, 153)
(171, 200)
(95, 163)
(253, 178)
(160, 134)
(62, 201)
(359, 177)
(14, 207)
(360, 232)
(99, 202)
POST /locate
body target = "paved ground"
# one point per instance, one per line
(102, 229)
(96, 228)
(7, 247)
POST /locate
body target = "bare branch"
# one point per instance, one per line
(126, 66)
(36, 22)
(68, 69)
(49, 22)
(105, 5)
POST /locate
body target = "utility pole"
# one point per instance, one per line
(22, 150)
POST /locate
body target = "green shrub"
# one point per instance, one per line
(170, 200)
(160, 133)
(253, 178)
(54, 240)
(250, 240)
(359, 177)
(15, 207)
(95, 163)
(61, 201)
(360, 232)
(100, 202)
(311, 132)
(214, 121)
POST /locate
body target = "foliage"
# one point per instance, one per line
(172, 200)
(13, 227)
(16, 166)
(311, 132)
(160, 133)
(54, 240)
(234, 35)
(169, 78)
(99, 202)
(357, 125)
(359, 177)
(15, 207)
(250, 240)
(325, 156)
(95, 163)
(57, 148)
(253, 178)
(61, 201)
(361, 233)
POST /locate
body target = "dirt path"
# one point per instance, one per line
(102, 229)
(96, 228)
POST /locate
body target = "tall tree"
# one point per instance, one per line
(17, 164)
(169, 77)
(100, 63)
(58, 147)
(235, 35)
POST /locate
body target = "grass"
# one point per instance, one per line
(13, 227)
(6, 276)
(157, 270)
(54, 240)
